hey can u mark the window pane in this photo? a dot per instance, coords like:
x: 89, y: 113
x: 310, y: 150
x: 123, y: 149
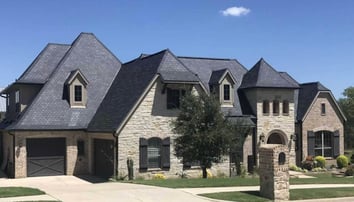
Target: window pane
x: 275, y: 106
x: 265, y: 107
x: 17, y: 96
x: 323, y: 109
x: 285, y: 107
x: 154, y: 153
x: 226, y: 92
x: 78, y: 93
x: 173, y: 97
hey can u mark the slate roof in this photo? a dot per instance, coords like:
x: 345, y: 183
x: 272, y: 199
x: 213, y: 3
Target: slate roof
x: 130, y: 84
x: 204, y: 68
x: 49, y: 111
x: 262, y: 75
x: 307, y: 93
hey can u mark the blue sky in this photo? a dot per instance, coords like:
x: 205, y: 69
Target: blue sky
x: 312, y: 40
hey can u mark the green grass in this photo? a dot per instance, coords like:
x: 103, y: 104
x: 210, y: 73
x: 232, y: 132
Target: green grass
x: 19, y: 191
x: 295, y: 194
x: 323, y: 178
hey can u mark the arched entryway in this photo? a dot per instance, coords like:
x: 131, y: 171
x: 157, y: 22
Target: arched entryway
x: 276, y: 138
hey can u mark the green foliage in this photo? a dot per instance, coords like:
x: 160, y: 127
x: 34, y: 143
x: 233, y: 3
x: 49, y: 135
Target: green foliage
x: 159, y: 176
x: 320, y: 161
x: 295, y: 168
x: 205, y: 134
x: 342, y: 161
x: 308, y: 163
x: 347, y: 106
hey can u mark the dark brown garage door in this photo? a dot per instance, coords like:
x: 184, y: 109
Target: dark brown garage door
x: 45, y: 156
x: 104, y: 153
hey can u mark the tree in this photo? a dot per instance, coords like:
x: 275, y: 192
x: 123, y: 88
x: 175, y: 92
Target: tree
x: 347, y: 106
x: 204, y: 133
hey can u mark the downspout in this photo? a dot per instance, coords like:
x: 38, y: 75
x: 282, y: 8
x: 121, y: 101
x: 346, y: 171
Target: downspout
x: 13, y: 153
x: 115, y: 135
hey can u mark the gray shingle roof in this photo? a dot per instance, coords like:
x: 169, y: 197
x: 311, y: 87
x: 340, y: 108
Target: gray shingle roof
x: 262, y: 75
x: 204, y: 68
x: 44, y: 65
x: 130, y: 84
x: 307, y: 94
x: 49, y: 111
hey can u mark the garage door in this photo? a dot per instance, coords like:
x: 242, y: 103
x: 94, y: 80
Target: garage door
x: 103, y: 154
x: 45, y: 156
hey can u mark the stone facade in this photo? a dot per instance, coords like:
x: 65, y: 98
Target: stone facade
x: 153, y: 119
x: 267, y: 124
x: 274, y: 172
x: 316, y: 121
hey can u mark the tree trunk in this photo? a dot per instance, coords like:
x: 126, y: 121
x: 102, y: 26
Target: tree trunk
x: 205, y: 174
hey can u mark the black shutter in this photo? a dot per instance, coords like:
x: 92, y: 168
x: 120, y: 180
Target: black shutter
x: 143, y: 162
x: 311, y: 143
x: 165, y: 156
x: 336, y: 144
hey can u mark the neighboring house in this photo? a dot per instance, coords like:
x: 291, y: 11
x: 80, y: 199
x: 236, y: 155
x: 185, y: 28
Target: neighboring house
x: 78, y: 110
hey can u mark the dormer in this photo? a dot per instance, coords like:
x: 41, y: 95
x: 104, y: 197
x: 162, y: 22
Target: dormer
x: 222, y: 83
x: 76, y: 87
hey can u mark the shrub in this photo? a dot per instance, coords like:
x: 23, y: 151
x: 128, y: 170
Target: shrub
x: 295, y: 168
x: 308, y: 163
x: 342, y: 161
x: 159, y: 176
x: 320, y: 161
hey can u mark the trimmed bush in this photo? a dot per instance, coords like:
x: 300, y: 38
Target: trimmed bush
x: 342, y: 161
x: 308, y: 165
x: 320, y: 161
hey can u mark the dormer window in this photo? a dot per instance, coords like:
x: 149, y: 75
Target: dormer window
x: 76, y: 89
x: 227, y: 92
x: 17, y: 101
x: 222, y: 84
x: 78, y: 93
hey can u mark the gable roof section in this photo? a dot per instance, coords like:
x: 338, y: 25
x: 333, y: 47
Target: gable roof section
x: 204, y: 68
x: 217, y: 76
x: 74, y: 74
x: 262, y: 75
x: 49, y: 111
x: 130, y: 84
x: 308, y: 93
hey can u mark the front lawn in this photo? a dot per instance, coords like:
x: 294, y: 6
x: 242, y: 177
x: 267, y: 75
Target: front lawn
x: 295, y: 194
x: 323, y: 178
x: 19, y: 191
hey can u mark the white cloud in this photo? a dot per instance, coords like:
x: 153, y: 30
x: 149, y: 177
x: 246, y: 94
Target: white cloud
x: 235, y: 11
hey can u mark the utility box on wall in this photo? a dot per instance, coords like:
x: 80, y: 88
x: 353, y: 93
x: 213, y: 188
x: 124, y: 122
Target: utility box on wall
x: 274, y: 171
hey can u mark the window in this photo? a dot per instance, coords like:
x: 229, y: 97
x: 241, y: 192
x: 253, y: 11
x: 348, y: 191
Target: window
x: 81, y: 148
x: 265, y: 107
x: 17, y: 101
x: 226, y: 92
x: 323, y: 143
x: 275, y: 107
x: 154, y: 153
x: 78, y: 93
x: 285, y: 107
x: 323, y: 109
x: 174, y: 97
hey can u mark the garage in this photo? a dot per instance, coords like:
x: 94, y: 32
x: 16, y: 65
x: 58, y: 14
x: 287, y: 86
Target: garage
x: 103, y: 157
x: 45, y: 156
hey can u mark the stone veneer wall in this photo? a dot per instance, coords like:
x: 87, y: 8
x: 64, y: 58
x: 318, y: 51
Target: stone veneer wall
x: 152, y: 119
x: 268, y: 124
x: 314, y: 121
x: 73, y: 164
x: 274, y: 175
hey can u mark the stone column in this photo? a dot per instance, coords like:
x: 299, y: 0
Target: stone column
x: 274, y: 171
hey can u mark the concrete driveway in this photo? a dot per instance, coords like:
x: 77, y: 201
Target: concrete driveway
x: 70, y: 188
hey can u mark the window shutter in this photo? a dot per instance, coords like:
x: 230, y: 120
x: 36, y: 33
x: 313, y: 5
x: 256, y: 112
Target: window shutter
x: 143, y: 162
x: 311, y: 143
x: 165, y: 155
x: 336, y: 144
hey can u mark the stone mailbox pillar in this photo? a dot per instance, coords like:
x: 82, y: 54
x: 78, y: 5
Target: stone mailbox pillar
x: 274, y: 171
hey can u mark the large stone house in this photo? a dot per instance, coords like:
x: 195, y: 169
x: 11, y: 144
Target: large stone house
x: 78, y: 110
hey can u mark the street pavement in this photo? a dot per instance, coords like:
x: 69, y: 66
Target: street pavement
x: 71, y: 188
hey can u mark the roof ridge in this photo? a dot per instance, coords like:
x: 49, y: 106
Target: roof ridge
x: 205, y: 58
